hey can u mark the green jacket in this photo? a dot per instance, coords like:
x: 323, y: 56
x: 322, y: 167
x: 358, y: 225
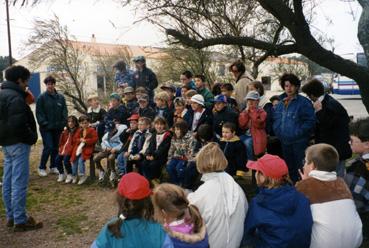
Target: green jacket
x: 208, y: 97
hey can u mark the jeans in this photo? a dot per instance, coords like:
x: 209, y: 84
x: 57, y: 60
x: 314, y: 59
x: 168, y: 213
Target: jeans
x: 60, y: 160
x: 80, y: 165
x: 50, y: 141
x: 247, y: 141
x: 121, y: 164
x: 15, y: 181
x: 293, y: 155
x: 176, y: 169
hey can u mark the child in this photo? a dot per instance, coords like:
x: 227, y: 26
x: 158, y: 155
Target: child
x: 227, y: 90
x: 201, y: 115
x: 278, y: 216
x: 203, y: 91
x: 233, y: 149
x: 336, y: 222
x: 125, y: 138
x: 65, y: 149
x: 357, y: 176
x: 179, y: 153
x: 222, y: 114
x: 144, y: 109
x: 181, y: 220
x: 162, y: 108
x: 181, y: 112
x: 117, y: 112
x: 83, y: 147
x: 96, y: 114
x: 253, y: 120
x: 156, y: 154
x: 134, y: 225
x: 187, y: 97
x: 130, y: 99
x: 171, y: 91
x: 138, y: 145
x: 140, y: 91
x: 274, y: 100
x: 110, y: 146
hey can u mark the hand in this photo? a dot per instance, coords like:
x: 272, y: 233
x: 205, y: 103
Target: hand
x: 303, y: 174
x: 126, y: 154
x: 317, y: 106
x: 112, y: 150
x: 82, y: 140
x: 150, y: 157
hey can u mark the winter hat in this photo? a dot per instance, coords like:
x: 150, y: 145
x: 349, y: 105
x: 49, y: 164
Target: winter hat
x: 198, y: 99
x: 168, y: 86
x: 133, y: 186
x: 252, y: 95
x: 93, y: 96
x: 133, y: 117
x: 139, y: 58
x: 270, y: 165
x: 115, y: 96
x: 109, y: 126
x: 128, y: 89
x: 220, y: 98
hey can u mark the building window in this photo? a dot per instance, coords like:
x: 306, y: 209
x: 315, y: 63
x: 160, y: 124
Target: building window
x: 100, y: 83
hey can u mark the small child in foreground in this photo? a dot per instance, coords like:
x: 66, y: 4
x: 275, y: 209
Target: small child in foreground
x: 181, y: 220
x: 336, y: 221
x: 278, y: 216
x: 134, y: 225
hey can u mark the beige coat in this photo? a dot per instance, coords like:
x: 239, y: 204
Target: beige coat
x: 241, y: 90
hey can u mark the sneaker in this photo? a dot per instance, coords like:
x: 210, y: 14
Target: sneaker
x: 61, y: 178
x: 31, y: 224
x: 54, y: 170
x: 82, y: 179
x: 112, y: 176
x: 69, y: 178
x: 74, y: 179
x: 101, y: 175
x: 42, y: 173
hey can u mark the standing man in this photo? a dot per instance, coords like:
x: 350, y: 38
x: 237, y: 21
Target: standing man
x: 51, y: 114
x: 17, y: 133
x: 144, y: 77
x: 293, y: 123
x: 243, y: 79
x: 332, y: 122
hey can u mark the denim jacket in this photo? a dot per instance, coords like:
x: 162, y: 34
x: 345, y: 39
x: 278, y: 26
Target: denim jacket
x: 295, y: 122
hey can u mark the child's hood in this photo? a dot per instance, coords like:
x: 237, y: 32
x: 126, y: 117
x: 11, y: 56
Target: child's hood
x: 283, y: 200
x: 188, y: 238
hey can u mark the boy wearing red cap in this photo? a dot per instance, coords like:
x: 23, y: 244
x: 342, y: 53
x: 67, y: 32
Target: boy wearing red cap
x: 278, y: 216
x: 134, y: 225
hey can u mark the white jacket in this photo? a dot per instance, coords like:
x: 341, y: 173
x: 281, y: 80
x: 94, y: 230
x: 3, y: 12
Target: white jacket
x: 223, y: 206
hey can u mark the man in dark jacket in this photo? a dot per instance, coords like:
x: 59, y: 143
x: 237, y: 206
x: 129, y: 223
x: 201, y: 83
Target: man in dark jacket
x: 17, y: 134
x: 332, y: 122
x: 144, y: 77
x: 51, y: 114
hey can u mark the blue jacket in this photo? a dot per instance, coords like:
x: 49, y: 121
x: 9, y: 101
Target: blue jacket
x: 136, y: 233
x: 295, y: 122
x: 279, y: 217
x: 119, y: 113
x: 124, y: 77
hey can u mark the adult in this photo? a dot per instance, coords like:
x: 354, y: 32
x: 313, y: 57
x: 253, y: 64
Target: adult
x: 144, y: 77
x: 220, y: 199
x: 123, y: 75
x: 51, y: 114
x: 293, y: 123
x: 17, y: 133
x: 186, y: 80
x: 243, y: 79
x: 332, y: 122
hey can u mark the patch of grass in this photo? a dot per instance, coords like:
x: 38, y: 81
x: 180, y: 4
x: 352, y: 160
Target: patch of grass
x: 71, y: 224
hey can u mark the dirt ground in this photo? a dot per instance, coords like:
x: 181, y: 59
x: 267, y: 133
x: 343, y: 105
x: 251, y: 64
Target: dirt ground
x: 72, y: 215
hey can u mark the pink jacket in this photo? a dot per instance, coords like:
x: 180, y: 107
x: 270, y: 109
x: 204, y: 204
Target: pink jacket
x: 256, y: 121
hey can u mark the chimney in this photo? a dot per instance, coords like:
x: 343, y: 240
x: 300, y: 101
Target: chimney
x: 93, y: 38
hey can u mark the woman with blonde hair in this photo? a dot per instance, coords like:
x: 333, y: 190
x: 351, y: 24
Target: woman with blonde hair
x: 221, y: 201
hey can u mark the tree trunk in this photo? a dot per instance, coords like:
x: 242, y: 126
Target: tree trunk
x: 363, y: 28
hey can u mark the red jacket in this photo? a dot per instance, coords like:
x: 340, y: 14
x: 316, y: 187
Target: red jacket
x: 91, y: 138
x: 256, y: 121
x: 66, y: 142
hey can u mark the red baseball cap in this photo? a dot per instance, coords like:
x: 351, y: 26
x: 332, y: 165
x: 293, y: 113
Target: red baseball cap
x: 133, y: 186
x: 270, y: 165
x: 133, y: 117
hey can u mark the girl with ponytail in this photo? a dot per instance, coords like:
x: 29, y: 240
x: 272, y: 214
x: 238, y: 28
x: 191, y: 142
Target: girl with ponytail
x: 181, y: 220
x: 134, y: 225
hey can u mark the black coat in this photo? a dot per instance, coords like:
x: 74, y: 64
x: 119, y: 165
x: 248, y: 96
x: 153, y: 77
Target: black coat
x: 119, y: 113
x: 148, y: 112
x: 17, y: 124
x: 235, y: 152
x: 225, y: 115
x: 333, y: 126
x: 160, y: 153
x: 147, y: 79
x: 206, y: 118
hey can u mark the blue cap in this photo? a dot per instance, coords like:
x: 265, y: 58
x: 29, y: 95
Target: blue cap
x: 220, y: 98
x: 109, y: 126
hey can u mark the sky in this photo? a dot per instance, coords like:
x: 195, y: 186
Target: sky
x: 112, y: 23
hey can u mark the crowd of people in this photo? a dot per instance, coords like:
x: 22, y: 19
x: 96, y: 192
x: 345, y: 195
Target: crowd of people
x: 174, y: 154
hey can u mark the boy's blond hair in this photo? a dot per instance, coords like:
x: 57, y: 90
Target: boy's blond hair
x: 162, y: 95
x: 211, y: 159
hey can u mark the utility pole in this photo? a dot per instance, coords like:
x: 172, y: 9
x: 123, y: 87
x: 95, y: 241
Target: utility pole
x: 9, y: 40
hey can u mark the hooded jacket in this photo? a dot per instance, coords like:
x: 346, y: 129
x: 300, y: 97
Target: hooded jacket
x: 235, y: 152
x: 114, y: 141
x: 17, y: 124
x: 194, y: 240
x: 279, y: 217
x: 223, y: 206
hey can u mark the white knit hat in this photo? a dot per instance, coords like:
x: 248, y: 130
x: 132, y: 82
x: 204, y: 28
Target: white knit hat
x: 198, y: 99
